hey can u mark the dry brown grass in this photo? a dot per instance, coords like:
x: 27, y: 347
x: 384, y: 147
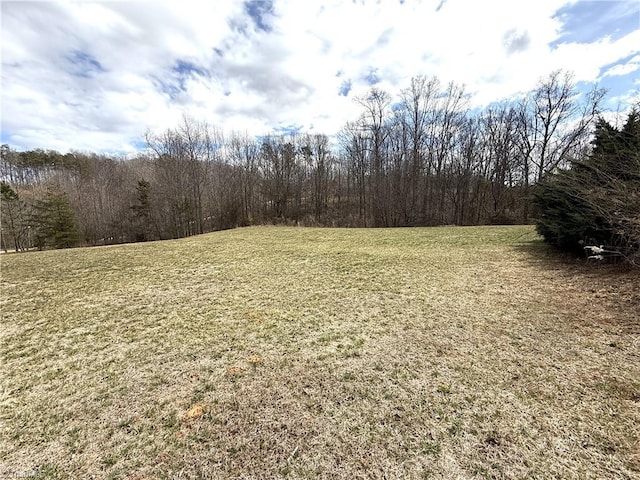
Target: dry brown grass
x: 319, y: 353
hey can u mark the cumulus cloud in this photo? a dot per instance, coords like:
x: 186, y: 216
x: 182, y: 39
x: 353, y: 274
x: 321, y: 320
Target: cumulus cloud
x: 515, y: 41
x: 96, y: 76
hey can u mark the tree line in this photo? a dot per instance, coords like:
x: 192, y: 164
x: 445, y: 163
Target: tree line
x: 419, y: 157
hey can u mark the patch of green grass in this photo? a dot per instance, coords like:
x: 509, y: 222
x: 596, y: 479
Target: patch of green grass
x: 344, y: 353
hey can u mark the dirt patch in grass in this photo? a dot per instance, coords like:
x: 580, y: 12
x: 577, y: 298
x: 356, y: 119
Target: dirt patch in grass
x: 272, y: 352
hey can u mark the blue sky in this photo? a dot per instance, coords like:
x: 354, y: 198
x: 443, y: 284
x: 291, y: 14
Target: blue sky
x: 96, y: 76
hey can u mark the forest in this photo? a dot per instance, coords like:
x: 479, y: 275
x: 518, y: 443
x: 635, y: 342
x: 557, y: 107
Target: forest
x: 419, y: 157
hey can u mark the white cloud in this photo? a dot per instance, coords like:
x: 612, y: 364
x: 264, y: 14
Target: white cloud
x: 96, y: 76
x: 624, y: 68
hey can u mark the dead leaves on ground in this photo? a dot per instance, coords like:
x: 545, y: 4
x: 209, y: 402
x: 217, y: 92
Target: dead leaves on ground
x: 195, y: 411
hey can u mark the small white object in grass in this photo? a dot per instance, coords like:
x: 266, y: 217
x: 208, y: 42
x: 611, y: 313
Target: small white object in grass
x: 595, y: 250
x: 293, y: 454
x: 598, y: 253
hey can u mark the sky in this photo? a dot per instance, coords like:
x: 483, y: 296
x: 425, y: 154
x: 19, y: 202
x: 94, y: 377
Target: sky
x: 95, y: 76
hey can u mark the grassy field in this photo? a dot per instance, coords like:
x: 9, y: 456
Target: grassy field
x: 272, y: 352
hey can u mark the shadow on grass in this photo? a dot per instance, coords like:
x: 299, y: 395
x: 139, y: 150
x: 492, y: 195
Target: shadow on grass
x: 614, y: 281
x: 545, y: 256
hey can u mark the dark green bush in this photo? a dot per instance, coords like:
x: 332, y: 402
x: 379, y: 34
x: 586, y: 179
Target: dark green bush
x: 597, y: 200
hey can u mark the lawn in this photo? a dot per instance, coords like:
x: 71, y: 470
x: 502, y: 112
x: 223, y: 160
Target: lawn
x: 273, y: 352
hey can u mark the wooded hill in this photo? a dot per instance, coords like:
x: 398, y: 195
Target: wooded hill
x: 421, y: 157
